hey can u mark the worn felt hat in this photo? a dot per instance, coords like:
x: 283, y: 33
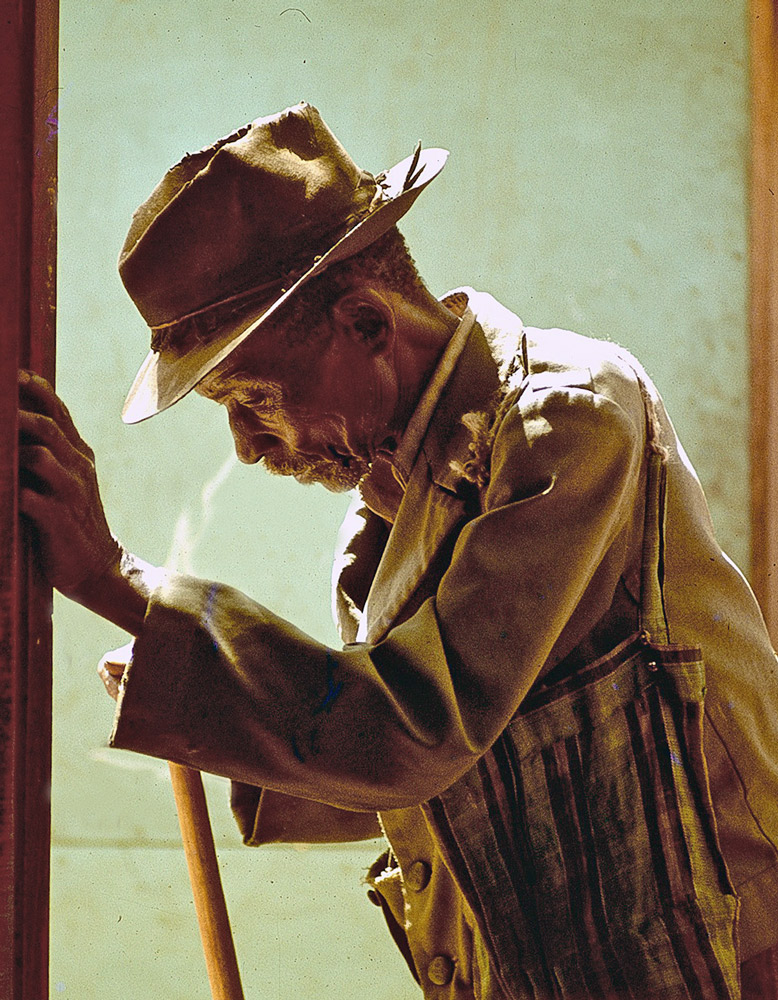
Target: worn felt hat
x: 231, y: 232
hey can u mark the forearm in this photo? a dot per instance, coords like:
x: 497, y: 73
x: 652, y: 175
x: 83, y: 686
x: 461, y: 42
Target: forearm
x: 220, y: 683
x: 121, y: 594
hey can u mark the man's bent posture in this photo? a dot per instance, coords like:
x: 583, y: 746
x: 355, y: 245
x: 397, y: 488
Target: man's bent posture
x: 556, y: 691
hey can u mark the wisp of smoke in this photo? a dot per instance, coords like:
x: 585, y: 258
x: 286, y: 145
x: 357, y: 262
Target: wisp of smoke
x: 189, y: 530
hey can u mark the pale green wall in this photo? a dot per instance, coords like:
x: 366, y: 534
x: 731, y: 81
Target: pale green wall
x: 597, y: 180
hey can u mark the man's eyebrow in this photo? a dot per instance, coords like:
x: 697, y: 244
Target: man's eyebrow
x: 215, y: 384
x: 214, y: 381
x: 209, y: 386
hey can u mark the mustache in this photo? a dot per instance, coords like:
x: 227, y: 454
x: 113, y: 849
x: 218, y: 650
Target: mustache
x: 339, y: 475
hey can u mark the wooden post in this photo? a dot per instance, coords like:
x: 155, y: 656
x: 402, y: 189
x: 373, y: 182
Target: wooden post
x: 28, y: 130
x: 764, y: 307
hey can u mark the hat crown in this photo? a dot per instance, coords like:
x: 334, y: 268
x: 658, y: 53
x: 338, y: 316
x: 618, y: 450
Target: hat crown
x: 232, y: 232
x: 241, y: 213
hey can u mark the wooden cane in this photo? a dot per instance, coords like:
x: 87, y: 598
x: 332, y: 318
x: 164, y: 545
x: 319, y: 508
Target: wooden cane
x: 218, y: 946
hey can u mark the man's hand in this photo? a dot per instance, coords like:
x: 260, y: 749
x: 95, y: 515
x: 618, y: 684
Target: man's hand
x: 112, y: 666
x: 58, y: 492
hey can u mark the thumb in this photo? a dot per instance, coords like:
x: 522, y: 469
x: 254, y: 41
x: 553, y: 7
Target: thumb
x: 112, y: 666
x: 116, y: 660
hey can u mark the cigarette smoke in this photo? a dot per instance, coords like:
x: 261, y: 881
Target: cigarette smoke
x: 190, y: 528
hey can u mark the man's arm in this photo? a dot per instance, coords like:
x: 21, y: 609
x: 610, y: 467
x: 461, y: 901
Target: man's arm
x: 221, y: 683
x: 122, y: 592
x: 60, y: 498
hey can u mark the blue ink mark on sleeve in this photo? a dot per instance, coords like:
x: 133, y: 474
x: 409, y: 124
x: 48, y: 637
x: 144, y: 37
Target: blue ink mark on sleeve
x: 296, y: 751
x: 333, y: 689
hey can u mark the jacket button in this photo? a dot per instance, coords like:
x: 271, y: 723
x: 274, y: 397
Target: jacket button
x: 418, y: 876
x: 440, y: 971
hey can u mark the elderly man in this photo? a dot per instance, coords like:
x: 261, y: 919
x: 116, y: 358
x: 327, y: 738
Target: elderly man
x: 540, y: 627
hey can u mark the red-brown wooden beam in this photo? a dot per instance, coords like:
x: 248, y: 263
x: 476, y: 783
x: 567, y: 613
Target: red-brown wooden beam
x: 28, y: 143
x: 764, y: 307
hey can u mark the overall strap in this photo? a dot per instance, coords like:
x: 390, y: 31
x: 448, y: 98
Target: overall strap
x: 653, y: 620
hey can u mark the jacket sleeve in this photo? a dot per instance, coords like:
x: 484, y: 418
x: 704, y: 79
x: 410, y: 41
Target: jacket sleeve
x: 265, y: 816
x: 220, y: 683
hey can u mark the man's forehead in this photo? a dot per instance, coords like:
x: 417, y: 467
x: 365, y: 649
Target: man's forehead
x: 249, y: 364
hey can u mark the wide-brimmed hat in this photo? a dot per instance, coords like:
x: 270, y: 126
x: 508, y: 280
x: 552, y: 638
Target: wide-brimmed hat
x: 231, y: 232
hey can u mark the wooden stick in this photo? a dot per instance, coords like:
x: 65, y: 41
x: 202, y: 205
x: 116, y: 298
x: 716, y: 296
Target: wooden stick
x: 218, y: 946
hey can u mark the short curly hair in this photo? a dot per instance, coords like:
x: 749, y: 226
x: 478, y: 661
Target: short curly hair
x: 388, y: 260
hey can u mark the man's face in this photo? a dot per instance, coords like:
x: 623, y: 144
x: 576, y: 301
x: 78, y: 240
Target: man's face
x: 306, y: 411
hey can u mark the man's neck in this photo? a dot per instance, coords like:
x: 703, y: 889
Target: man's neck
x: 382, y: 489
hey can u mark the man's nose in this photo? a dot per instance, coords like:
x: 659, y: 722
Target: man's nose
x: 251, y: 439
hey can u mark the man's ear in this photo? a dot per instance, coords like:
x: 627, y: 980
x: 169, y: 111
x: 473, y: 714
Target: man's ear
x: 365, y: 317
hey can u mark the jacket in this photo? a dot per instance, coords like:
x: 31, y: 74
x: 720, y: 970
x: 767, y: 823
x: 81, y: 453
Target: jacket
x: 478, y: 594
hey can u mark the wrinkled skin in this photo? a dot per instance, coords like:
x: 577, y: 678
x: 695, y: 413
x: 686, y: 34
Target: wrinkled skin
x: 59, y: 495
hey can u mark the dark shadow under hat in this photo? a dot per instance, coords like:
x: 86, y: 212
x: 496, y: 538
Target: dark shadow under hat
x: 233, y: 231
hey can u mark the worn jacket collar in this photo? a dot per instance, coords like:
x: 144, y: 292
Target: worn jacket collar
x: 435, y: 502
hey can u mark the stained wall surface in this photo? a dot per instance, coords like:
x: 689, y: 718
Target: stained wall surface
x: 596, y: 181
